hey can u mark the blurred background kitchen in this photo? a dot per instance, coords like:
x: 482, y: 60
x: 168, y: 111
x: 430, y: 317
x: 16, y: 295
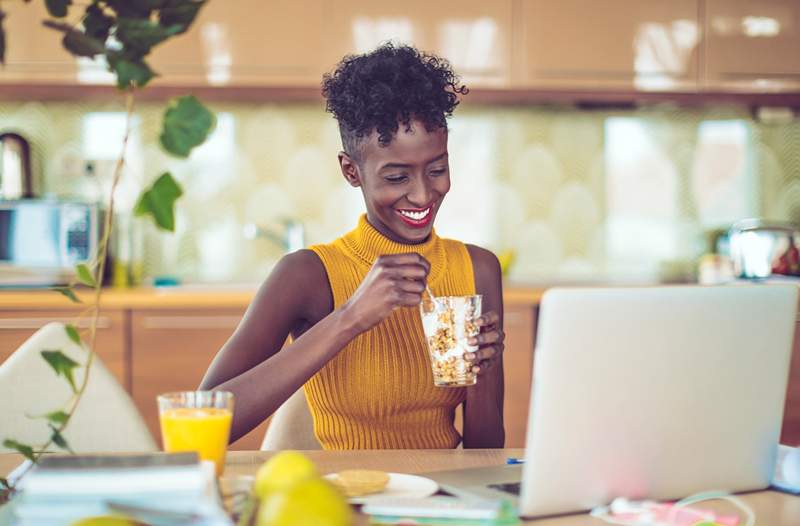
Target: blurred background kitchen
x: 602, y: 142
x: 596, y: 146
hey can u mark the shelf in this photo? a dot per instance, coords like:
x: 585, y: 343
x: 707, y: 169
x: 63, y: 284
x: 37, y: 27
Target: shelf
x: 479, y: 96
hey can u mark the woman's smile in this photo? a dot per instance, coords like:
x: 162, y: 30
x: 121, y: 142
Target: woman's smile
x: 416, y: 217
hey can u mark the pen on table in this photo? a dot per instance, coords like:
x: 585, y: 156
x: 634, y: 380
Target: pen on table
x: 512, y: 460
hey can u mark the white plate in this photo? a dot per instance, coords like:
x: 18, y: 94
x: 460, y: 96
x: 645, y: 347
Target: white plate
x: 400, y: 485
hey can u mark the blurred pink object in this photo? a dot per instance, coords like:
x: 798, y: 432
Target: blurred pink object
x: 650, y: 513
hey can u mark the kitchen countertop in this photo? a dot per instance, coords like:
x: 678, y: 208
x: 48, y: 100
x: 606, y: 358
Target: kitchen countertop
x: 189, y: 296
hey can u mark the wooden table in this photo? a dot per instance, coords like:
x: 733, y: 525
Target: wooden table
x: 771, y: 508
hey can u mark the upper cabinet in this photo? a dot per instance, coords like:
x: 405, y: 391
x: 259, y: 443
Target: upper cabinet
x: 33, y: 52
x: 526, y: 45
x: 614, y: 44
x: 248, y: 42
x: 752, y: 45
x: 236, y: 43
x: 474, y: 35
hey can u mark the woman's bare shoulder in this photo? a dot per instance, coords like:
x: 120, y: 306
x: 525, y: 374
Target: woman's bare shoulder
x: 484, y: 262
x: 299, y: 280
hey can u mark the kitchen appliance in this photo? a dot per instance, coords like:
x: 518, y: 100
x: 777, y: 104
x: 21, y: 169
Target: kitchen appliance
x: 41, y: 241
x: 761, y: 249
x: 16, y: 181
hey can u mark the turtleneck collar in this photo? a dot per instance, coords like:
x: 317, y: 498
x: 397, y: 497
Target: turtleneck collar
x: 366, y: 244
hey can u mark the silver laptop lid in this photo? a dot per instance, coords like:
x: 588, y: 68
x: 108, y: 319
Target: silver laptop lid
x: 655, y: 392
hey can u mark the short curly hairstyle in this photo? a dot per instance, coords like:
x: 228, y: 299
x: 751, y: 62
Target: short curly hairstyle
x: 387, y: 87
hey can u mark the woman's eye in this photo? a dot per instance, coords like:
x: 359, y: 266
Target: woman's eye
x: 438, y: 172
x: 396, y: 178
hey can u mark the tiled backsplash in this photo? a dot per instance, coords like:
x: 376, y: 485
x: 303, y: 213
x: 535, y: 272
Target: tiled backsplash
x: 577, y: 195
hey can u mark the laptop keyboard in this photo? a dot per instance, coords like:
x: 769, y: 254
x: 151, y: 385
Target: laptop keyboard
x: 511, y: 487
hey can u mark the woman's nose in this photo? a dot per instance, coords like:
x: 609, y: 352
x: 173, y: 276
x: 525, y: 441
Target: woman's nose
x: 420, y: 193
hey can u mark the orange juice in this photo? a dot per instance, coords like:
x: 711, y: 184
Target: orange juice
x: 203, y: 429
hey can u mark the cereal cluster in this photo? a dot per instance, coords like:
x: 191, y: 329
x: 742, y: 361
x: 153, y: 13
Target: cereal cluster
x: 450, y: 368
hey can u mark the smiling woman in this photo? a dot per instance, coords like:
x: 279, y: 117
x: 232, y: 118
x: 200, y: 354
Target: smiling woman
x: 351, y: 306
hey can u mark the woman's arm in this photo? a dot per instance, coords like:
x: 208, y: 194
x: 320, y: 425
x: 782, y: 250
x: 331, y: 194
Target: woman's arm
x: 483, y: 408
x: 296, y: 298
x: 247, y: 363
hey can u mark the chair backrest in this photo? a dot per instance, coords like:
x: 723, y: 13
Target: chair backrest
x: 291, y: 426
x: 106, y: 419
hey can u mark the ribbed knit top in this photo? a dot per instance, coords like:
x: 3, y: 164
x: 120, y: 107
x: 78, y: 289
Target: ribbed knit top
x: 378, y: 392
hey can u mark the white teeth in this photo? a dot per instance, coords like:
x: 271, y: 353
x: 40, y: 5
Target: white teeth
x: 416, y: 216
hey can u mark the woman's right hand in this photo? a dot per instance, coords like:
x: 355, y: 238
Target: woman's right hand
x: 396, y: 280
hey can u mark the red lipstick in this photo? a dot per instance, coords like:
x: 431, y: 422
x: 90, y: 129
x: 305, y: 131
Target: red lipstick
x: 416, y: 217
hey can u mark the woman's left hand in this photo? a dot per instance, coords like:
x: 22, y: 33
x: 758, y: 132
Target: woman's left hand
x: 489, y: 341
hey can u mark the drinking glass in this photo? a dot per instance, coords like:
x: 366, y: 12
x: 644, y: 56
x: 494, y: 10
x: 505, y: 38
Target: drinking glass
x: 197, y: 421
x: 448, y: 323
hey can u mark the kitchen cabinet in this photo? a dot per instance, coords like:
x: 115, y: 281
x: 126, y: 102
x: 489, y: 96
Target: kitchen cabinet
x: 790, y: 434
x: 248, y: 42
x: 520, y: 329
x: 528, y: 49
x: 171, y: 350
x: 16, y: 326
x: 752, y: 45
x: 475, y: 36
x: 33, y: 52
x: 623, y: 44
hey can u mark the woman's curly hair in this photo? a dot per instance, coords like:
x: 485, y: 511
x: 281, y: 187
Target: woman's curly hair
x: 387, y: 87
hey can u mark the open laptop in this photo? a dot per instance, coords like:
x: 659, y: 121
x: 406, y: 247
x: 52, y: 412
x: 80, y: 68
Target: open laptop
x: 648, y: 392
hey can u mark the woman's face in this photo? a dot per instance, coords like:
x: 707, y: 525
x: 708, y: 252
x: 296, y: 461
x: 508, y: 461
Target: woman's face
x: 403, y: 182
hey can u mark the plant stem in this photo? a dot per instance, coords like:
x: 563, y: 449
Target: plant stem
x: 100, y: 266
x: 102, y: 250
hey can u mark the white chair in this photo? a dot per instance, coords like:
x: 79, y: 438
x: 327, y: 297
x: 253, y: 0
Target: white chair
x: 105, y: 421
x: 291, y: 426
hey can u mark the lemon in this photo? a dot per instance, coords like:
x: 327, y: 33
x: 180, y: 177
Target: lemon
x: 311, y: 501
x: 506, y: 259
x: 282, y: 471
x: 105, y: 520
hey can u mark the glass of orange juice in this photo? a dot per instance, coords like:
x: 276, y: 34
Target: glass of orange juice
x: 197, y: 421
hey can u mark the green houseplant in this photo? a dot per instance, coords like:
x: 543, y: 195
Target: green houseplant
x: 123, y: 33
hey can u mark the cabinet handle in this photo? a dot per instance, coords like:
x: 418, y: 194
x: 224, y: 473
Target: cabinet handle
x: 190, y: 322
x: 15, y: 324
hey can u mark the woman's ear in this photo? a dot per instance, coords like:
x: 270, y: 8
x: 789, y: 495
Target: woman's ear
x: 349, y: 169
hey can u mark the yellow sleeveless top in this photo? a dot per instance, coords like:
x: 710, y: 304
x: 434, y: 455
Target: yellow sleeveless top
x: 378, y: 392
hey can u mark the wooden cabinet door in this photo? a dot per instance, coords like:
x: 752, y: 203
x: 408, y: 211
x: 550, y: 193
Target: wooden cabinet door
x: 790, y: 433
x: 752, y: 45
x: 520, y: 329
x: 33, y: 52
x: 16, y: 326
x: 475, y: 36
x: 624, y: 44
x: 171, y: 350
x: 248, y: 42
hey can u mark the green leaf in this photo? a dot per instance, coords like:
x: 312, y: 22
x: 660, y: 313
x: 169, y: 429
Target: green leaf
x: 143, y: 34
x: 81, y: 45
x: 57, y: 417
x: 85, y: 275
x: 180, y: 13
x: 158, y: 201
x: 187, y: 123
x: 68, y: 292
x: 132, y: 8
x: 26, y: 450
x: 57, y: 8
x: 130, y: 73
x: 58, y: 439
x: 72, y: 332
x: 96, y: 23
x: 62, y: 365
